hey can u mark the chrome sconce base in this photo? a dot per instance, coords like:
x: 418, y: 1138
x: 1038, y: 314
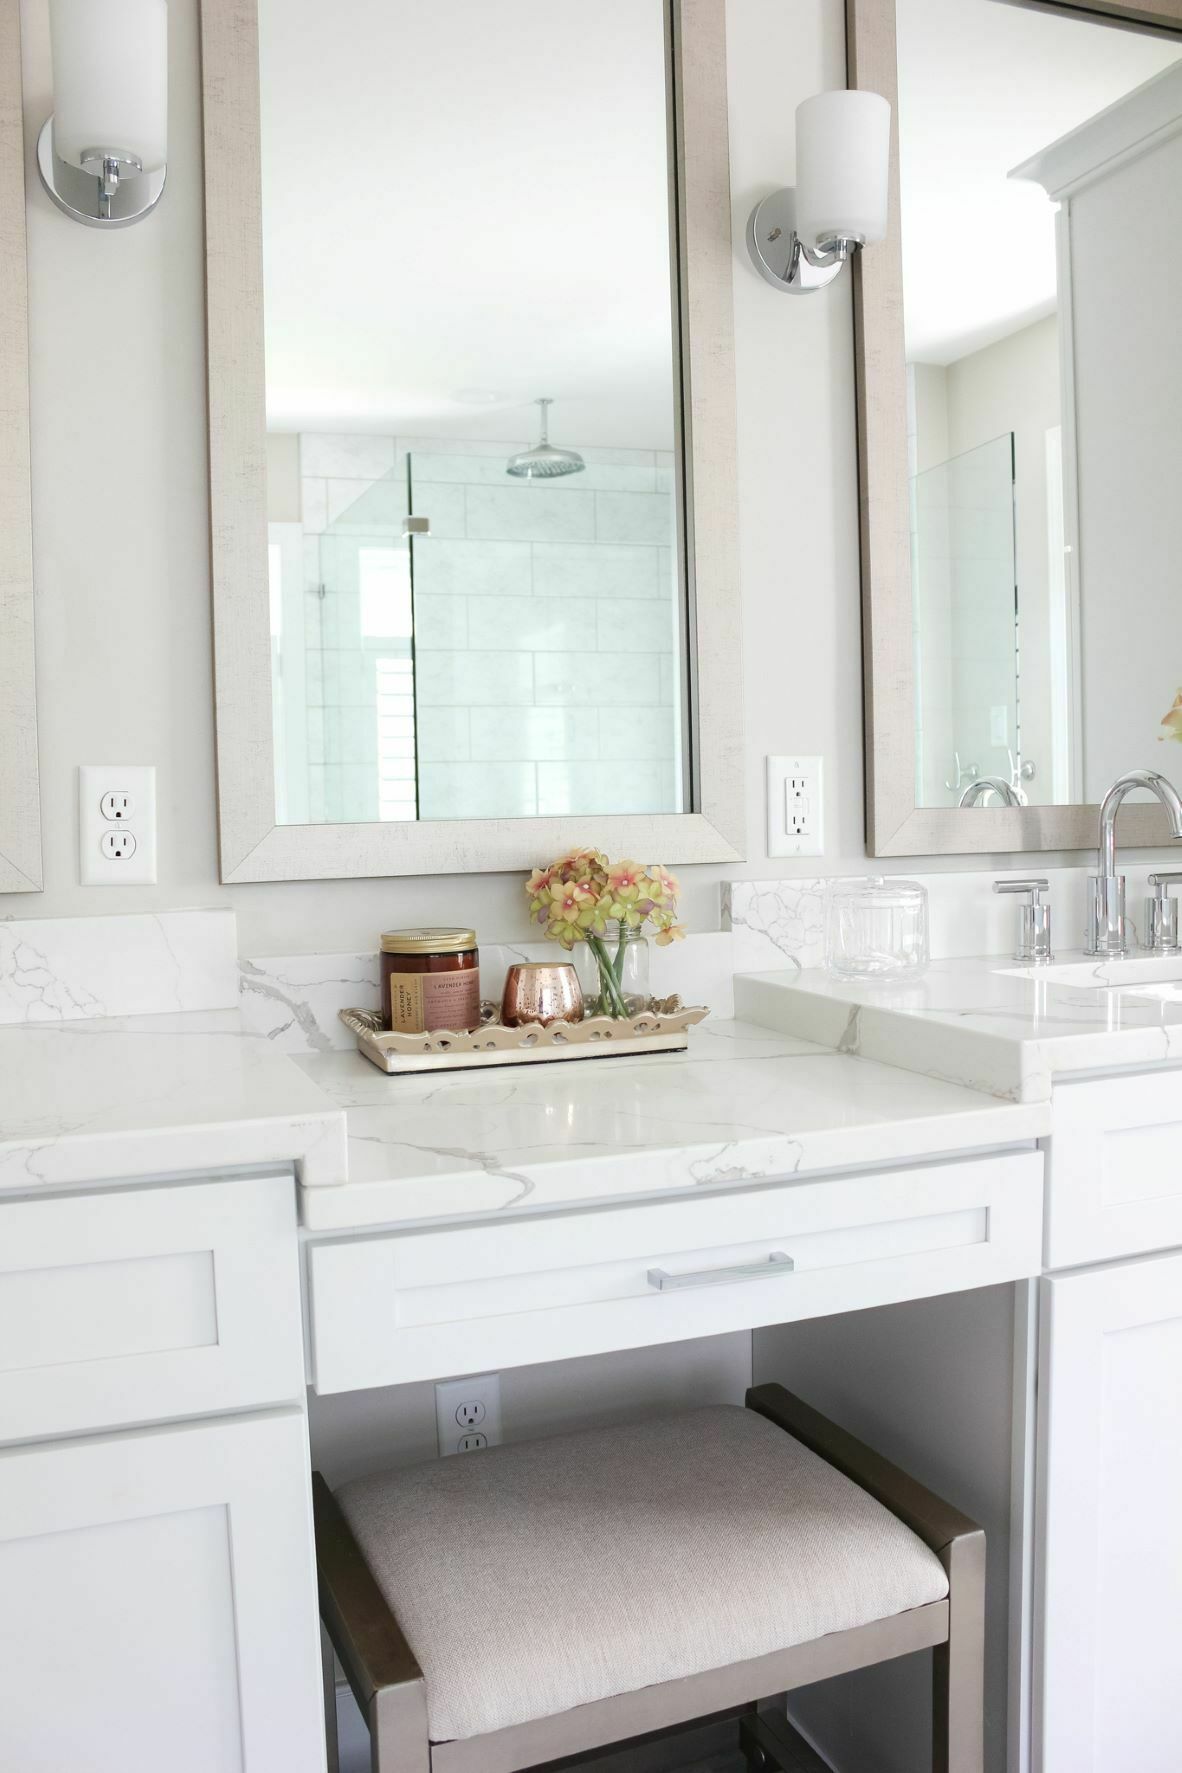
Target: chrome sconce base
x: 116, y: 193
x: 779, y: 254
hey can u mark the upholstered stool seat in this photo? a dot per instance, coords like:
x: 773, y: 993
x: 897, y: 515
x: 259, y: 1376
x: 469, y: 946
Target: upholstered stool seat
x: 534, y: 1578
x: 551, y: 1580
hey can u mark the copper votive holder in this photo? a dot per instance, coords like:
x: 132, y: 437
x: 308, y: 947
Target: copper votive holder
x: 542, y: 991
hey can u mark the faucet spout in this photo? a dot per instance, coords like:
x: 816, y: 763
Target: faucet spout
x: 1156, y: 784
x: 1107, y: 925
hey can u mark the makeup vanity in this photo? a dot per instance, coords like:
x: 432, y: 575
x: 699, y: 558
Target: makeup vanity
x: 434, y: 658
x: 154, y: 1486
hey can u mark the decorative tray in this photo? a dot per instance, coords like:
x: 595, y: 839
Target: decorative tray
x: 663, y: 1029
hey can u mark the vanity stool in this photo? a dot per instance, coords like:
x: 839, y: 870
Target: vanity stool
x: 565, y: 1595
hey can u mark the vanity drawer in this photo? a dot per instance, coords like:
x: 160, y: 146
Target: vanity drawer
x: 147, y: 1304
x: 426, y: 1304
x: 1114, y: 1180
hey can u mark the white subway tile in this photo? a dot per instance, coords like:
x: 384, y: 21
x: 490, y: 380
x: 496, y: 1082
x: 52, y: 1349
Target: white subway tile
x: 443, y: 735
x: 475, y: 679
x: 634, y: 517
x: 647, y: 733
x: 443, y: 506
x: 533, y: 624
x: 629, y: 625
x: 534, y: 733
x: 374, y: 507
x: 596, y: 680
x: 473, y: 569
x: 596, y: 569
x: 477, y: 791
x: 634, y: 786
x: 533, y: 513
x: 443, y: 622
x: 313, y: 505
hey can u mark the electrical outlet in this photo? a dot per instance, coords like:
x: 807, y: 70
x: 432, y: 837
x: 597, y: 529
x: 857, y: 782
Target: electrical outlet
x: 468, y: 1413
x: 795, y: 812
x: 117, y: 824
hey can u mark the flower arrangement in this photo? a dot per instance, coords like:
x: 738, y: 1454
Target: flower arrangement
x: 580, y: 896
x: 1173, y: 720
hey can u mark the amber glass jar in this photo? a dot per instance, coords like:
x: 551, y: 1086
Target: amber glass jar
x: 430, y: 980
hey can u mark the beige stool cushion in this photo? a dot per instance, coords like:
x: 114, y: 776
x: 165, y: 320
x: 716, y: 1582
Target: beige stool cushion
x: 532, y: 1578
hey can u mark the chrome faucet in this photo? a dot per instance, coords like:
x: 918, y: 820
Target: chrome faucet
x: 1006, y: 793
x: 1107, y: 927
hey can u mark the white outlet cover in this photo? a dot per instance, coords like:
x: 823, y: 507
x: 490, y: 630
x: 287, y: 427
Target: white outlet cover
x: 95, y: 783
x: 795, y: 806
x: 484, y: 1390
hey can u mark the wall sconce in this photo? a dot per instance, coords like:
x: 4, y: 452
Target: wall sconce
x: 102, y: 154
x: 799, y: 239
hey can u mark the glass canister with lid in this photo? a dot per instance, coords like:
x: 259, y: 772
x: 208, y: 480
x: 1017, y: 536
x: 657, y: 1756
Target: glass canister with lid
x: 876, y: 928
x: 430, y: 980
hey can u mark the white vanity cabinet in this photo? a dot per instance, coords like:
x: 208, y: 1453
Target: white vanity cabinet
x: 1108, y: 1564
x: 157, y: 1573
x: 1108, y: 1599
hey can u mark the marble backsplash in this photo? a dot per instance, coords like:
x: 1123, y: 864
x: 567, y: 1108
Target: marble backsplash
x: 295, y: 1000
x: 777, y: 923
x: 66, y: 969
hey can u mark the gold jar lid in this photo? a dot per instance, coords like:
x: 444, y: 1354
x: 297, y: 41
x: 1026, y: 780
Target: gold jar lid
x: 427, y: 941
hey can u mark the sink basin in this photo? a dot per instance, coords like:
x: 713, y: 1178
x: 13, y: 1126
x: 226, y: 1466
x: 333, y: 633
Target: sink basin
x: 1157, y: 975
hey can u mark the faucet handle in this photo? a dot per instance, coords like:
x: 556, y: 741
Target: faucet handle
x: 1033, y: 887
x: 1161, y: 915
x: 1034, y: 941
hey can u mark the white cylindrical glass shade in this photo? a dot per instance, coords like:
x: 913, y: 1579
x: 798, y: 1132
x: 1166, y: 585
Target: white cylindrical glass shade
x: 843, y: 150
x: 110, y: 78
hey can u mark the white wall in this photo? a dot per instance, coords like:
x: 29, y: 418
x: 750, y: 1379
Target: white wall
x: 121, y: 520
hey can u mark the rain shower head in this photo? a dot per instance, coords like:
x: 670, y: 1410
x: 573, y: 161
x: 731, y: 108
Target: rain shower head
x: 544, y: 461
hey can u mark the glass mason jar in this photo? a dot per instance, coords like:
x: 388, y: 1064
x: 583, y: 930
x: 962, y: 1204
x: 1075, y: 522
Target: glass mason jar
x: 613, y: 972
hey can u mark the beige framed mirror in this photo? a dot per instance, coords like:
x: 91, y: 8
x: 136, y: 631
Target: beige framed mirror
x: 439, y: 646
x: 20, y: 809
x: 1020, y: 420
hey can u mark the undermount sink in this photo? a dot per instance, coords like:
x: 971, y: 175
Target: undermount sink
x: 1156, y: 975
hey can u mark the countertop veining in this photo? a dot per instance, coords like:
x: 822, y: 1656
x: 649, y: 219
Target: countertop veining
x: 973, y: 1022
x: 743, y: 1104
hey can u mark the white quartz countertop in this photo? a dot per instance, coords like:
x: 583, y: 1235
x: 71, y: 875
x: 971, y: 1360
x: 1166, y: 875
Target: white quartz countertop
x: 743, y: 1104
x: 974, y: 1023
x: 118, y: 1099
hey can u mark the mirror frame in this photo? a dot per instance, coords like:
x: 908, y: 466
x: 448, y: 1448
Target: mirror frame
x: 20, y: 804
x: 252, y: 845
x: 895, y: 826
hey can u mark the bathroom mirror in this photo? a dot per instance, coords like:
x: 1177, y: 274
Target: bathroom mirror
x: 20, y: 811
x: 471, y: 434
x: 1020, y: 418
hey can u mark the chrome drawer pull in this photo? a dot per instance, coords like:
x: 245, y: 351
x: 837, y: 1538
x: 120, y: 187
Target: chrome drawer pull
x: 776, y: 1263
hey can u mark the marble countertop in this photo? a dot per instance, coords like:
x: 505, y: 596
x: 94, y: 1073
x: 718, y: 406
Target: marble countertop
x: 975, y: 1023
x: 743, y: 1104
x: 117, y: 1099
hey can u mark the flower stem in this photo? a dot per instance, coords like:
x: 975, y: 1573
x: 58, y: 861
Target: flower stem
x: 614, y: 1004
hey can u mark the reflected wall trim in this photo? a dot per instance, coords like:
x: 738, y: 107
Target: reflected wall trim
x: 20, y: 806
x: 252, y: 845
x: 895, y: 826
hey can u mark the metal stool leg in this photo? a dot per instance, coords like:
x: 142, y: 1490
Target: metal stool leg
x: 958, y: 1666
x: 328, y: 1663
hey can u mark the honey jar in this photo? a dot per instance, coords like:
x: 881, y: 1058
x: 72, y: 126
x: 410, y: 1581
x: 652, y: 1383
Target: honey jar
x: 430, y: 980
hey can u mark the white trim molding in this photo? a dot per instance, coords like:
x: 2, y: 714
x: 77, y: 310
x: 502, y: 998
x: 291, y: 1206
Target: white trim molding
x: 253, y: 846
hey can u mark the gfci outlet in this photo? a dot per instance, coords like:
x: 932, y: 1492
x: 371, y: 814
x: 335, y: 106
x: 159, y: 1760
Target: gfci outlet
x: 795, y: 811
x: 468, y: 1413
x: 117, y: 824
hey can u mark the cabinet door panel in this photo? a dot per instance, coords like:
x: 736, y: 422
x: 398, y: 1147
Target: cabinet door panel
x: 158, y: 1603
x: 143, y: 1305
x: 1109, y: 1624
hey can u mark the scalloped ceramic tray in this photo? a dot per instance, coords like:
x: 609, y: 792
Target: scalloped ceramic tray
x: 663, y: 1029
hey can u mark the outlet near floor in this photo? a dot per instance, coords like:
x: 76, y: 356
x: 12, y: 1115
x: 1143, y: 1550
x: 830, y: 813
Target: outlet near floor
x: 468, y: 1413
